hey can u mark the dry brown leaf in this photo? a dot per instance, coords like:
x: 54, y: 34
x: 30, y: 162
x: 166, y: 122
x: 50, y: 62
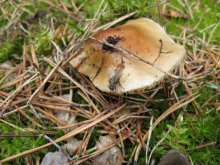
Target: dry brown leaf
x: 70, y: 119
x: 55, y: 158
x: 112, y: 156
x: 72, y: 145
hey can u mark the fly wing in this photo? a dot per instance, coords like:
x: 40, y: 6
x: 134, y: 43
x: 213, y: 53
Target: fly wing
x: 118, y: 71
x: 111, y: 72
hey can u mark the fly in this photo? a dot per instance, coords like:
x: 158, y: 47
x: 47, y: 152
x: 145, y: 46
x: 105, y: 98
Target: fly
x: 114, y: 76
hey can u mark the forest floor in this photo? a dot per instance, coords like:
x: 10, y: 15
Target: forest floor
x: 37, y: 39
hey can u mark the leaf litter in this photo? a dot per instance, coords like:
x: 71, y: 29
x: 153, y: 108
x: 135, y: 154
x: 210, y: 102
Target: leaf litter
x: 36, y: 94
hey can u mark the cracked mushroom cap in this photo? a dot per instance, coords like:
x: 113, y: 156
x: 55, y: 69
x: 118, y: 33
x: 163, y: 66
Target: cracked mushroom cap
x: 106, y: 58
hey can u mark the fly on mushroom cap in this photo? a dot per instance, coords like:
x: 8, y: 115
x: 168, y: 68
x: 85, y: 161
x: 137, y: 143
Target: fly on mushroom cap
x: 106, y: 58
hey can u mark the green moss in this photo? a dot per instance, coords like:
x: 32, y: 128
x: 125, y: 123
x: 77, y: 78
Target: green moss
x: 117, y: 8
x: 213, y: 86
x: 78, y: 28
x: 163, y: 104
x: 208, y: 12
x: 41, y: 5
x: 126, y: 6
x: 206, y: 93
x: 12, y: 146
x: 42, y: 40
x: 16, y: 145
x: 6, y: 51
x: 3, y: 22
x: 188, y: 135
x: 10, y: 48
x: 94, y: 138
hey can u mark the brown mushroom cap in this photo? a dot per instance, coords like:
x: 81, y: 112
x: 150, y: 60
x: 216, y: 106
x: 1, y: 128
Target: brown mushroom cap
x: 142, y: 37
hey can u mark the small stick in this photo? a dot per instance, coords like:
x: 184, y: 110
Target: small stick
x: 56, y: 145
x: 148, y: 141
x: 203, y: 146
x: 160, y: 51
x: 53, y: 142
x: 35, y: 113
x: 99, y: 69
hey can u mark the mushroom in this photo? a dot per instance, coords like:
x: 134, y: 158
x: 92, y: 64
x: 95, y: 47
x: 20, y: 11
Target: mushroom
x: 129, y: 58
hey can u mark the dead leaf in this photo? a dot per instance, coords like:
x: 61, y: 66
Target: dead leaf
x: 55, y: 158
x: 70, y: 119
x: 112, y: 156
x: 71, y: 146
